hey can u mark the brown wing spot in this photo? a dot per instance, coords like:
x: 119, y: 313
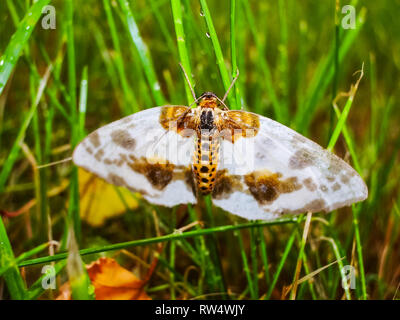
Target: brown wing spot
x: 115, y: 179
x: 158, y: 174
x: 89, y: 150
x: 344, y: 178
x: 225, y: 185
x: 118, y: 162
x: 189, y: 179
x: 177, y: 118
x: 323, y: 188
x: 94, y: 139
x: 336, y: 164
x: 336, y: 187
x: 310, y: 185
x: 238, y: 124
x: 123, y: 139
x: 303, y: 158
x: 123, y: 157
x: 266, y: 186
x: 313, y: 206
x: 99, y: 154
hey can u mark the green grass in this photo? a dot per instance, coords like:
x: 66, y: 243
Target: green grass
x: 107, y: 59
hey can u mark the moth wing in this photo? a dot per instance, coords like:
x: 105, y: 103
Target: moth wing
x: 277, y: 171
x: 137, y: 152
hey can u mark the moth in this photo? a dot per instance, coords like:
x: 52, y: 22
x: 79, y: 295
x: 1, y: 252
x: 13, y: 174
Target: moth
x: 251, y: 166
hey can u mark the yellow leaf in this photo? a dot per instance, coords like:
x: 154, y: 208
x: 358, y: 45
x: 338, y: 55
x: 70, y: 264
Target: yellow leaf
x: 100, y: 200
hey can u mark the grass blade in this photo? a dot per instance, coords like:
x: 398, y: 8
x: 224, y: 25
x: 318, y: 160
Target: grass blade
x: 267, y: 78
x: 283, y: 64
x: 264, y: 255
x: 323, y: 76
x: 346, y: 110
x: 143, y: 51
x: 237, y: 101
x: 73, y: 209
x: 83, y: 102
x: 285, y: 254
x: 37, y: 289
x: 81, y: 287
x: 130, y: 103
x: 183, y: 51
x: 12, y: 156
x: 246, y: 267
x: 14, y: 281
x: 217, y: 49
x: 18, y: 41
x: 300, y: 257
x: 170, y: 237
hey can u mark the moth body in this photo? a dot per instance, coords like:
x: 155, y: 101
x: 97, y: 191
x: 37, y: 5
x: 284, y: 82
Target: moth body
x: 252, y: 166
x: 205, y: 158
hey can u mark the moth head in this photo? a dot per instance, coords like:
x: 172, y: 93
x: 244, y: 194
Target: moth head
x: 209, y: 100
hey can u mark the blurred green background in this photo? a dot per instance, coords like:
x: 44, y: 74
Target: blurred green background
x: 294, y: 58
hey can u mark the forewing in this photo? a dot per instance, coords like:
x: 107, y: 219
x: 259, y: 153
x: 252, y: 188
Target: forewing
x: 277, y: 171
x: 139, y: 153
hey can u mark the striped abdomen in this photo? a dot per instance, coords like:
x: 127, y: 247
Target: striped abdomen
x: 205, y: 162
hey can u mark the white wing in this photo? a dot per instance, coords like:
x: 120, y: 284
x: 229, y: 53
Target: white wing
x: 278, y: 171
x: 138, y: 153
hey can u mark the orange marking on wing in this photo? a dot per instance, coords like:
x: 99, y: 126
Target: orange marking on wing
x: 266, y: 186
x: 178, y: 118
x: 159, y: 174
x: 226, y: 184
x: 238, y: 124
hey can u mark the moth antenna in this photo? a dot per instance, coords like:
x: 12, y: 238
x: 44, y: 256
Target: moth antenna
x: 54, y: 163
x: 222, y: 102
x: 187, y: 80
x: 195, y: 101
x: 230, y: 87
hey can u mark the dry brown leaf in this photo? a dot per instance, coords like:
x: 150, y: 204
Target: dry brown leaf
x: 111, y: 282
